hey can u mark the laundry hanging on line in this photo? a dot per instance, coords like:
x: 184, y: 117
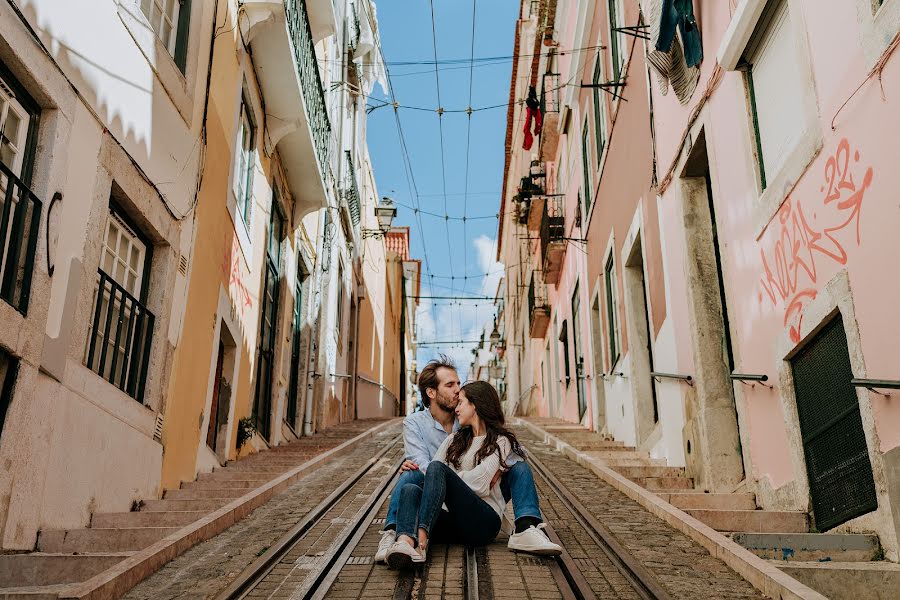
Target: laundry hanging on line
x: 532, y: 114
x: 677, y: 49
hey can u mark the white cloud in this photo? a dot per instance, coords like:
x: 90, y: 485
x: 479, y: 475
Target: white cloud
x: 462, y: 320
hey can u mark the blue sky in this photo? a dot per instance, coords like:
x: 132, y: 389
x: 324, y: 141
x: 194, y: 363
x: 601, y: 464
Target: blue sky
x: 458, y: 254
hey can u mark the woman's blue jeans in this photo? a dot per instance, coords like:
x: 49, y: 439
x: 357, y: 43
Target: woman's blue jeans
x: 468, y: 519
x: 517, y: 484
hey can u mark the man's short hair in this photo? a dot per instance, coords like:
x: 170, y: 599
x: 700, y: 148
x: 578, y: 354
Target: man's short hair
x: 428, y: 377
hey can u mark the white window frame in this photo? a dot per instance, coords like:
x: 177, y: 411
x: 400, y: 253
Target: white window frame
x: 9, y: 103
x: 244, y: 160
x: 740, y: 36
x: 619, y: 62
x: 587, y: 165
x: 163, y: 18
x: 121, y: 230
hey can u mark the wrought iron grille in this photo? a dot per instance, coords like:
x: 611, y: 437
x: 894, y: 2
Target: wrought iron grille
x: 20, y: 217
x: 120, y: 338
x: 536, y: 296
x: 553, y: 223
x: 834, y: 443
x: 308, y: 70
x: 351, y: 190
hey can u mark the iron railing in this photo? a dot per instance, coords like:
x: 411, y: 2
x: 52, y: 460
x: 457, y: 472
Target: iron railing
x: 553, y: 223
x: 536, y: 296
x: 351, y: 189
x: 20, y: 217
x: 120, y: 338
x: 308, y: 70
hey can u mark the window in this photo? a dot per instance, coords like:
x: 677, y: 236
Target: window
x: 587, y: 166
x: 170, y: 20
x: 577, y: 350
x: 564, y: 345
x: 121, y: 333
x: 8, y: 368
x: 244, y: 161
x: 599, y: 110
x: 262, y: 403
x: 775, y: 84
x: 615, y: 49
x: 339, y: 317
x: 612, y: 321
x: 14, y: 122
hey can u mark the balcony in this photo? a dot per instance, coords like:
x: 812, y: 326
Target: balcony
x: 538, y: 310
x: 284, y: 56
x: 349, y: 188
x: 553, y: 238
x: 120, y: 338
x: 20, y: 217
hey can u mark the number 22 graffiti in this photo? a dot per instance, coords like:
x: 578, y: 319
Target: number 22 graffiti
x: 805, y: 234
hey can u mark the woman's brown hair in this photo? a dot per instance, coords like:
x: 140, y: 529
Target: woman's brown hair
x: 486, y: 401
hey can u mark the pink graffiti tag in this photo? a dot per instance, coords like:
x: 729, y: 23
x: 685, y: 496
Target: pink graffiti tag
x: 231, y: 268
x: 801, y: 240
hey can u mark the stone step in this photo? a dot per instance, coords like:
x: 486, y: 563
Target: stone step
x: 592, y: 445
x: 234, y: 474
x: 43, y: 592
x: 836, y: 547
x: 146, y: 519
x: 753, y: 521
x: 245, y: 484
x: 202, y: 493
x: 41, y: 569
x: 206, y: 505
x: 616, y: 454
x: 847, y: 580
x: 634, y: 462
x: 649, y: 471
x: 101, y: 540
x: 254, y: 468
x: 664, y: 483
x: 685, y: 500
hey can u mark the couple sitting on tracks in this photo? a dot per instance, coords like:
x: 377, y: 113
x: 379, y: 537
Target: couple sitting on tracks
x: 462, y: 466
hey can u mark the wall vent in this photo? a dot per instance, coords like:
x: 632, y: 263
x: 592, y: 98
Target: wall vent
x: 183, y: 265
x: 157, y: 431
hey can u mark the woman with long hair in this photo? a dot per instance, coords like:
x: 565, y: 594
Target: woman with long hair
x: 464, y: 477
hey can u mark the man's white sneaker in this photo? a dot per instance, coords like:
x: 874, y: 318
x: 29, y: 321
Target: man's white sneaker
x: 534, y: 541
x: 387, y: 540
x: 402, y: 556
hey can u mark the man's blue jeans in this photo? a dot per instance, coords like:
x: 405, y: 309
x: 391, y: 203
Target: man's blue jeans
x: 517, y: 485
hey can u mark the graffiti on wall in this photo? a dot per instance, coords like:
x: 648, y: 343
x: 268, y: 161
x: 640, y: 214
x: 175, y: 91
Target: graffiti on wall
x: 233, y: 270
x: 808, y: 232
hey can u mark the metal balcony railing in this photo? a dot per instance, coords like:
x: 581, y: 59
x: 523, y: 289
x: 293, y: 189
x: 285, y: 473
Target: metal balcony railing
x: 120, y: 338
x: 350, y: 189
x: 308, y: 70
x: 20, y: 217
x: 553, y: 223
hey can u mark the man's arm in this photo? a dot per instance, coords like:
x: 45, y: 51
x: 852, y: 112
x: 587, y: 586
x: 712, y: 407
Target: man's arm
x: 416, y: 449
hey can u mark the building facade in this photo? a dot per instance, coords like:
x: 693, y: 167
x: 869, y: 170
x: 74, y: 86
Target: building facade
x: 185, y: 203
x: 731, y: 305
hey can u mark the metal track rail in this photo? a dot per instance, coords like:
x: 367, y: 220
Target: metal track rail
x: 641, y: 579
x: 250, y: 577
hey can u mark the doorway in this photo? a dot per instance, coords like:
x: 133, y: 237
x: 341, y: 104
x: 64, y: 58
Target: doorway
x: 579, y: 352
x: 641, y: 342
x: 262, y: 404
x: 834, y: 444
x: 712, y: 439
x: 294, y: 392
x: 599, y: 400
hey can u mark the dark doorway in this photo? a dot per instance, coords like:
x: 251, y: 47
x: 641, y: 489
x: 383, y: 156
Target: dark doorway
x: 262, y: 405
x: 579, y: 352
x: 293, y: 398
x: 212, y: 430
x: 837, y: 458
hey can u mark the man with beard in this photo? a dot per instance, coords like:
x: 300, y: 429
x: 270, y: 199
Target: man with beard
x: 426, y: 430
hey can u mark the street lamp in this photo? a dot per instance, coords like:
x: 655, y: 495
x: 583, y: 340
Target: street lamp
x: 385, y: 211
x: 495, y: 335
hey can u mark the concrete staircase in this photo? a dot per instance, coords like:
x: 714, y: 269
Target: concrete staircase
x: 840, y: 566
x: 67, y: 556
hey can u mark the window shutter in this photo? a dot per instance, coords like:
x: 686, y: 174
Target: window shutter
x: 778, y: 89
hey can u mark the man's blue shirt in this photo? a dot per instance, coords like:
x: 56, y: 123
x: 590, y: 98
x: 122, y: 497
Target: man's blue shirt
x: 423, y: 435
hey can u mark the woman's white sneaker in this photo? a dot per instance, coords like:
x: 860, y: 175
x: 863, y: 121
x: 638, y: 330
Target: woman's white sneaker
x: 387, y: 540
x: 402, y: 556
x: 534, y: 541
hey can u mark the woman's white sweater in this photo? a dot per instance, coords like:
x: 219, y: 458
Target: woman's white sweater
x: 479, y: 477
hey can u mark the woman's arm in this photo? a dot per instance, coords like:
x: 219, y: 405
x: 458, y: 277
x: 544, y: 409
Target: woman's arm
x: 480, y: 478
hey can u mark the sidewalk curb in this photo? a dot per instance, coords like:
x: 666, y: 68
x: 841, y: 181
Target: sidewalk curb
x: 766, y: 578
x: 121, y: 577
